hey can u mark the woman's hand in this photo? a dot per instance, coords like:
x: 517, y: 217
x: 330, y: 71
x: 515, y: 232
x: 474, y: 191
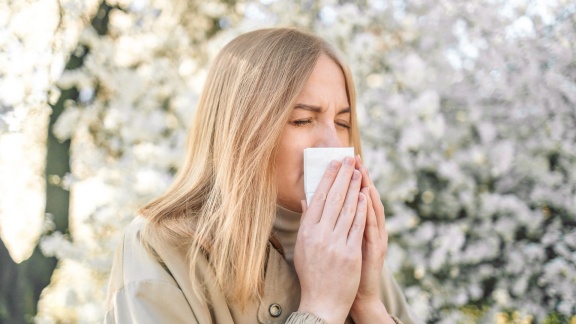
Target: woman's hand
x: 328, y: 252
x: 374, y: 246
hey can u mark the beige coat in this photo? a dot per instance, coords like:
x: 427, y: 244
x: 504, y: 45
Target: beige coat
x: 144, y: 290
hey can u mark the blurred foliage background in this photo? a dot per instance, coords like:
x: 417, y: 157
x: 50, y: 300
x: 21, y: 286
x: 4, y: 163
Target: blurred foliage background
x: 468, y: 118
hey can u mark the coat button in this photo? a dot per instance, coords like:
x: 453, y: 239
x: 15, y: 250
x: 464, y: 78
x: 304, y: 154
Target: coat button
x: 275, y: 310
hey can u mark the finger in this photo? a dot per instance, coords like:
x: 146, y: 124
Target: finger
x: 348, y: 211
x: 381, y: 218
x: 358, y: 162
x: 371, y: 214
x: 369, y: 183
x: 375, y: 198
x: 372, y: 229
x: 356, y: 233
x: 314, y: 211
x: 337, y: 193
x: 366, y: 181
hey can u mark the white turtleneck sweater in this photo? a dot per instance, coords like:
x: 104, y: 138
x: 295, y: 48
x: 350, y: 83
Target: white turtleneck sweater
x: 286, y: 228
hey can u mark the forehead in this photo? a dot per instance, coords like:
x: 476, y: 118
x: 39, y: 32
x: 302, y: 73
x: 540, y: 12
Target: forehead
x: 326, y: 85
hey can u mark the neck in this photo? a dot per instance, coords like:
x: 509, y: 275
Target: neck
x: 286, y: 227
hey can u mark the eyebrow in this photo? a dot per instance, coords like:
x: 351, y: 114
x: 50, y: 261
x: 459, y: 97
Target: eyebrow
x: 318, y: 109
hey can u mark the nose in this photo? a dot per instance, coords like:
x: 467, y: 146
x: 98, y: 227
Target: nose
x: 329, y: 138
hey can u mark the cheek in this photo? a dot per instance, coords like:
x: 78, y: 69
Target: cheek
x: 290, y: 159
x: 344, y: 137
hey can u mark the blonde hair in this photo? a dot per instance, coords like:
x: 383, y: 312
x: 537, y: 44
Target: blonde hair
x: 222, y: 203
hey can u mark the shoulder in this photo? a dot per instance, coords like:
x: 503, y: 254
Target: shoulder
x: 138, y: 261
x: 142, y: 289
x: 151, y: 278
x: 133, y: 264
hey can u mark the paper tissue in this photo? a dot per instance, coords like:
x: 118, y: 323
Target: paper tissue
x: 316, y: 161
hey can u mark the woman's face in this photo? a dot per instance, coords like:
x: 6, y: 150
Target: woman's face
x: 320, y: 118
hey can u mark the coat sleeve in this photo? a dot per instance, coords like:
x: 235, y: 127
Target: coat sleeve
x: 150, y: 301
x: 304, y: 318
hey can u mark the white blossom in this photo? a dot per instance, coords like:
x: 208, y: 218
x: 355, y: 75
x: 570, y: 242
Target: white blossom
x: 467, y: 117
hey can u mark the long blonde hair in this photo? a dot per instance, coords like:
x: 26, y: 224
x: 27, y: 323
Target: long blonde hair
x: 222, y: 203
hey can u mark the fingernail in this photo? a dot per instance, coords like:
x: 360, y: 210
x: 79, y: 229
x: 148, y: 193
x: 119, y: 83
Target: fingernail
x: 349, y: 160
x: 361, y: 197
x: 334, y: 165
x: 356, y: 175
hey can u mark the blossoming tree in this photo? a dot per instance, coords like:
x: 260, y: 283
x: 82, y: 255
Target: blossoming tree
x: 468, y: 120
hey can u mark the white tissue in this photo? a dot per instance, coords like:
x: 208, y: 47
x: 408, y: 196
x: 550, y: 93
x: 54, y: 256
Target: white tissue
x: 316, y: 161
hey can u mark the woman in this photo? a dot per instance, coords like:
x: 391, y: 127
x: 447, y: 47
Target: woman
x: 227, y: 242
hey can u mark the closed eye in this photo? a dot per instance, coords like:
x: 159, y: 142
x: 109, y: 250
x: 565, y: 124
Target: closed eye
x: 343, y: 125
x: 301, y: 122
